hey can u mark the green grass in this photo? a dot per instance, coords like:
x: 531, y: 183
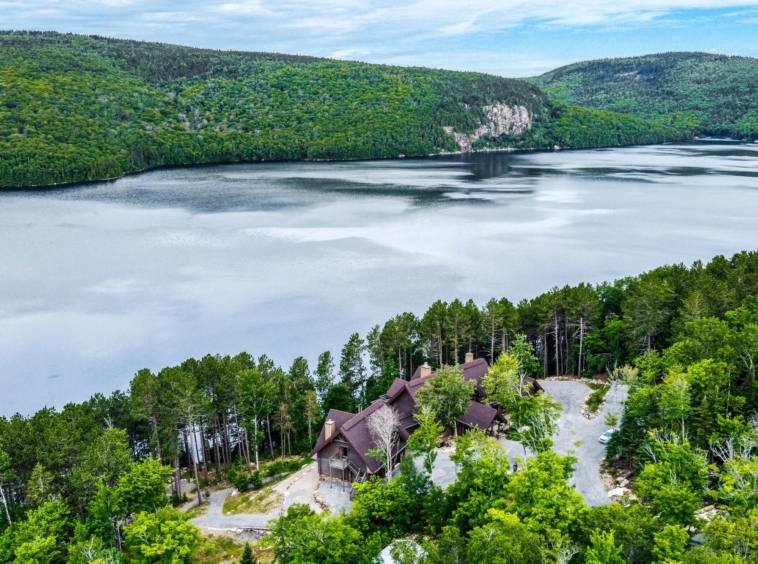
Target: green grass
x: 264, y: 500
x: 198, y: 510
x: 596, y: 398
x: 223, y: 550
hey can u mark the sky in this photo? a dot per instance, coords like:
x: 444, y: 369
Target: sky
x: 506, y: 37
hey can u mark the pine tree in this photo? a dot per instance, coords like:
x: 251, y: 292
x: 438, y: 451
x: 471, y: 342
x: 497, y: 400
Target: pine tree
x: 247, y: 555
x: 352, y: 370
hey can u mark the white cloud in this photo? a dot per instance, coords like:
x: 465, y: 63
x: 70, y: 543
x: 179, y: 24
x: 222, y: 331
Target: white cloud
x: 391, y: 30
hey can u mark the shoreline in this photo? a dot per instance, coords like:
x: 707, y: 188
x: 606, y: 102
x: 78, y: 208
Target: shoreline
x: 74, y: 184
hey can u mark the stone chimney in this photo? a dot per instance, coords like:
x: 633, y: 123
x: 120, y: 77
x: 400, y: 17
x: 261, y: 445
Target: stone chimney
x: 426, y: 370
x: 469, y: 357
x: 329, y: 429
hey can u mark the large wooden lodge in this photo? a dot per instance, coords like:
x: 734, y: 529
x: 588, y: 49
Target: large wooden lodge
x: 342, y: 447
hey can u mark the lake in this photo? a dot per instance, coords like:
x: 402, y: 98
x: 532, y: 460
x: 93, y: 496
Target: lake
x: 289, y: 259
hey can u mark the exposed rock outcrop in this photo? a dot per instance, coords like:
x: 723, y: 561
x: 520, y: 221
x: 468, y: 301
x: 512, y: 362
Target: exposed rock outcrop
x: 503, y: 120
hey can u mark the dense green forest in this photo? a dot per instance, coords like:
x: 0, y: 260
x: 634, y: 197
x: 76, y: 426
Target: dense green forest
x: 711, y: 94
x: 77, y: 108
x: 89, y: 483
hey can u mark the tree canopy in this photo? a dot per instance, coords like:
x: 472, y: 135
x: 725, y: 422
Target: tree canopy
x: 76, y: 108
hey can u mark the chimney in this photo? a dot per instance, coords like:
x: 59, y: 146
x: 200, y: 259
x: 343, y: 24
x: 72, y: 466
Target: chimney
x: 426, y: 370
x: 329, y: 429
x: 469, y: 357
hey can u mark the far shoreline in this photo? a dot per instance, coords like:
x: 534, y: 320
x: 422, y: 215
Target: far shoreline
x: 82, y: 183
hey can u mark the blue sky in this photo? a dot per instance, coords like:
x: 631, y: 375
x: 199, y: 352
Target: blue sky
x: 507, y: 37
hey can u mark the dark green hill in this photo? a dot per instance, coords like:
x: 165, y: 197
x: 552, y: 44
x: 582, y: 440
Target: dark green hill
x: 76, y: 108
x: 712, y: 94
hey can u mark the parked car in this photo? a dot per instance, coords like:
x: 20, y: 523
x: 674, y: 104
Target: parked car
x: 605, y: 437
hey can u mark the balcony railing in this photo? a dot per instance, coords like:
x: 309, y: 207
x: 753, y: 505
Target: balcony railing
x: 339, y: 462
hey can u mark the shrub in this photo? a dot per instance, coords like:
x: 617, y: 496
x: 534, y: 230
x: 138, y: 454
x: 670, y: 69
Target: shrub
x: 256, y: 481
x: 275, y: 468
x: 239, y: 478
x: 597, y: 398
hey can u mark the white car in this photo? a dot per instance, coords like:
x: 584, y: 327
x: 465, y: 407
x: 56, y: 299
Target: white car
x: 605, y: 437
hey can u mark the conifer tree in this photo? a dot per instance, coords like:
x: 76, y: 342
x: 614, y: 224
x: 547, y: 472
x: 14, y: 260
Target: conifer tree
x: 247, y: 555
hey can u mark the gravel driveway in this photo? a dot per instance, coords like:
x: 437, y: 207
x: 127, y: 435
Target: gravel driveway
x: 579, y: 436
x: 298, y: 488
x: 576, y: 435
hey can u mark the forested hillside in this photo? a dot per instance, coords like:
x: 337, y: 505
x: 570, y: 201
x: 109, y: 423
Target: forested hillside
x: 711, y: 94
x: 88, y: 483
x: 76, y: 108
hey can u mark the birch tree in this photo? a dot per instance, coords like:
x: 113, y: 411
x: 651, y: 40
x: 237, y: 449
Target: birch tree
x: 189, y: 400
x: 382, y: 426
x: 505, y: 382
x: 541, y: 423
x: 256, y: 399
x: 455, y: 327
x: 7, y: 475
x: 583, y: 308
x: 675, y: 401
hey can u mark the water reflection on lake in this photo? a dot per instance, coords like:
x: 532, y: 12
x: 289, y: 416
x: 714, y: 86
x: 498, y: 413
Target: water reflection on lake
x: 289, y: 259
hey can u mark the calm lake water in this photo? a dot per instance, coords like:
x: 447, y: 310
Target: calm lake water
x: 101, y: 280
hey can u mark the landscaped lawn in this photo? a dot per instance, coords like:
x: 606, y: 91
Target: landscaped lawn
x: 198, y: 510
x: 263, y: 500
x: 222, y: 550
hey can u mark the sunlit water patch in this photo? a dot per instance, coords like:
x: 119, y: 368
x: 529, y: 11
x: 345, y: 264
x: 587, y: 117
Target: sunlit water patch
x: 290, y: 258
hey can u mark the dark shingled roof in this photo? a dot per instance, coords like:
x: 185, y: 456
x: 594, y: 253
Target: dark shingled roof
x: 353, y: 427
x: 476, y: 370
x: 357, y: 433
x: 479, y: 415
x: 397, y: 386
x: 339, y: 418
x: 415, y: 385
x: 535, y: 387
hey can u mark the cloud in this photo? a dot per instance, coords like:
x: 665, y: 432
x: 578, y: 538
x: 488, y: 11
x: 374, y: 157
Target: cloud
x: 381, y: 32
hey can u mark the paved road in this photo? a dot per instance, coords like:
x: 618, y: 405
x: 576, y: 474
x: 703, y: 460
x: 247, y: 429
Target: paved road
x: 298, y: 488
x: 579, y: 435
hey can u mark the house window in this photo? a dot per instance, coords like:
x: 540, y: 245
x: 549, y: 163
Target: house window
x: 343, y: 452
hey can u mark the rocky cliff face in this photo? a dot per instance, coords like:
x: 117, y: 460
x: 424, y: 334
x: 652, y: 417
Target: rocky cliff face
x: 503, y: 120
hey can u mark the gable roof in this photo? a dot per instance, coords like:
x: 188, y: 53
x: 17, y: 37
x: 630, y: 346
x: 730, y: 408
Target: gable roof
x: 339, y: 418
x: 535, y: 386
x: 398, y: 386
x: 476, y: 370
x: 479, y: 415
x: 353, y: 427
x: 357, y: 434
